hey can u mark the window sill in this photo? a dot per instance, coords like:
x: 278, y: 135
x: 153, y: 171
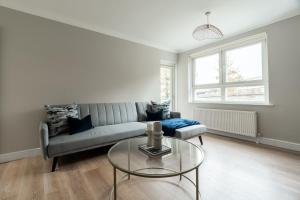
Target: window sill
x: 233, y: 103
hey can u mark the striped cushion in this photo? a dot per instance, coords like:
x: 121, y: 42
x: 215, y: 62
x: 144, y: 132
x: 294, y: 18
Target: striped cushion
x: 57, y: 118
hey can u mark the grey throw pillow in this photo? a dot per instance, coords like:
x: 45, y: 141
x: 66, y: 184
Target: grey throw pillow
x: 57, y: 118
x: 165, y: 106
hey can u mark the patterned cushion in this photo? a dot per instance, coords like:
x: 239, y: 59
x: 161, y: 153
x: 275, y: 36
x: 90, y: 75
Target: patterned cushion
x: 57, y: 118
x: 165, y: 106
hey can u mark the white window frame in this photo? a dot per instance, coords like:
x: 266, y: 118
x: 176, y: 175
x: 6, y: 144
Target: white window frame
x: 172, y: 65
x: 259, y: 38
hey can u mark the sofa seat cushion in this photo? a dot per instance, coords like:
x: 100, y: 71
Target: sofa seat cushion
x: 101, y: 135
x: 190, y: 131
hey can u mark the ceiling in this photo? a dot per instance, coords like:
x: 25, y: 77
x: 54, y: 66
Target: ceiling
x: 164, y: 24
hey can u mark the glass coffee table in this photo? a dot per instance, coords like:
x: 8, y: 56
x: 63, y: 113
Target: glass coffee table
x: 185, y: 157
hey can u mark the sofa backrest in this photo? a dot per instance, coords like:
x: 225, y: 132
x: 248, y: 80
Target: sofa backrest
x: 109, y: 113
x: 141, y: 110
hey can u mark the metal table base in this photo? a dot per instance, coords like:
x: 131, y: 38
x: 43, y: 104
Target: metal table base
x: 113, y: 193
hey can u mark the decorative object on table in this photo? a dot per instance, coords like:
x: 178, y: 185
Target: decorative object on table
x: 154, y: 145
x: 149, y: 134
x: 153, y: 152
x: 79, y: 125
x: 57, y: 118
x: 157, y: 135
x: 207, y: 31
x: 165, y: 106
x: 154, y: 115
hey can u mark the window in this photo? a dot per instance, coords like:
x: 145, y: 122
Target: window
x: 232, y: 73
x: 167, y: 84
x: 207, y: 70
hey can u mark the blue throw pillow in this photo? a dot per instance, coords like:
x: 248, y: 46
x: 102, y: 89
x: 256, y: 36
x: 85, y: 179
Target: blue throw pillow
x: 154, y: 115
x: 79, y: 125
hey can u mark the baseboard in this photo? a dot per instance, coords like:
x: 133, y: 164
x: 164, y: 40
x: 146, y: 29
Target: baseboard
x: 280, y: 143
x: 262, y: 140
x: 6, y: 157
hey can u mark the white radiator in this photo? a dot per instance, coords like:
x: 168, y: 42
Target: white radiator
x: 231, y: 121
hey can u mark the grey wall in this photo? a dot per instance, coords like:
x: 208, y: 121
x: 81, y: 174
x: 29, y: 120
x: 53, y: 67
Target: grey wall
x: 282, y: 120
x: 46, y: 62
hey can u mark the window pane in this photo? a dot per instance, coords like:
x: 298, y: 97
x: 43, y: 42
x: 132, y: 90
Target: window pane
x: 244, y: 64
x: 207, y: 70
x: 165, y: 84
x: 246, y: 94
x: 211, y: 94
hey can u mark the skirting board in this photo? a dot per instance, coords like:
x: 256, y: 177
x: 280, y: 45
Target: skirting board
x: 262, y: 140
x: 280, y: 143
x: 19, y: 155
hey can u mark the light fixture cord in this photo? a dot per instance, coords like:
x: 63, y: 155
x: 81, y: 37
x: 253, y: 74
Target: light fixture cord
x: 207, y: 18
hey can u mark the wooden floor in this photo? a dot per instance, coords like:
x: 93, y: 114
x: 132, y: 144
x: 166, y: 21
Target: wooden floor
x: 232, y: 170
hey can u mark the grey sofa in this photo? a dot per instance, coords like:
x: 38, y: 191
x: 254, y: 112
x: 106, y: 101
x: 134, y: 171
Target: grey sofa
x: 112, y: 121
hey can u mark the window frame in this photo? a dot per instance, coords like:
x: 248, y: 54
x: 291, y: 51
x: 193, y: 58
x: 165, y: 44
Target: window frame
x: 221, y: 51
x: 173, y: 67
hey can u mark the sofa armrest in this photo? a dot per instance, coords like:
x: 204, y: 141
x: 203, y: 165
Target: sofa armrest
x: 44, y: 138
x: 175, y: 115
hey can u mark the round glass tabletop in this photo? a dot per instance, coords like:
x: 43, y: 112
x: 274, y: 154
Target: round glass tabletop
x: 127, y: 157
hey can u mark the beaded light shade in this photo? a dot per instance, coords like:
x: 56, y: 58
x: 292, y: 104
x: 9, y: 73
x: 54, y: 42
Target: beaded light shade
x: 207, y: 31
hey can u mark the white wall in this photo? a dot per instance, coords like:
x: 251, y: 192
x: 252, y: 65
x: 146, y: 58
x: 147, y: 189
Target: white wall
x: 46, y: 62
x: 282, y: 120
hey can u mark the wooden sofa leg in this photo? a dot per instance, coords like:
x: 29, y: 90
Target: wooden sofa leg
x: 200, y: 138
x: 54, y: 164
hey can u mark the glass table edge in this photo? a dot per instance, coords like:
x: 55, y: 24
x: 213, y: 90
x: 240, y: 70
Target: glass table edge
x: 155, y: 175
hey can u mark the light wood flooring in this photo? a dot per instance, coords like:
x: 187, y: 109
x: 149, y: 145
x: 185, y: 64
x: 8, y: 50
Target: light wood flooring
x: 232, y: 170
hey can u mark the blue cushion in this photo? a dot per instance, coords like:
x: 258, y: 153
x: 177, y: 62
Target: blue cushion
x: 79, y: 125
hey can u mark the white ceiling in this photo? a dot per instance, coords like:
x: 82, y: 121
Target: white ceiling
x: 165, y: 24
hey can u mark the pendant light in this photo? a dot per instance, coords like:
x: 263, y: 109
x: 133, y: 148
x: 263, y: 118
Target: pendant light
x: 207, y: 31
